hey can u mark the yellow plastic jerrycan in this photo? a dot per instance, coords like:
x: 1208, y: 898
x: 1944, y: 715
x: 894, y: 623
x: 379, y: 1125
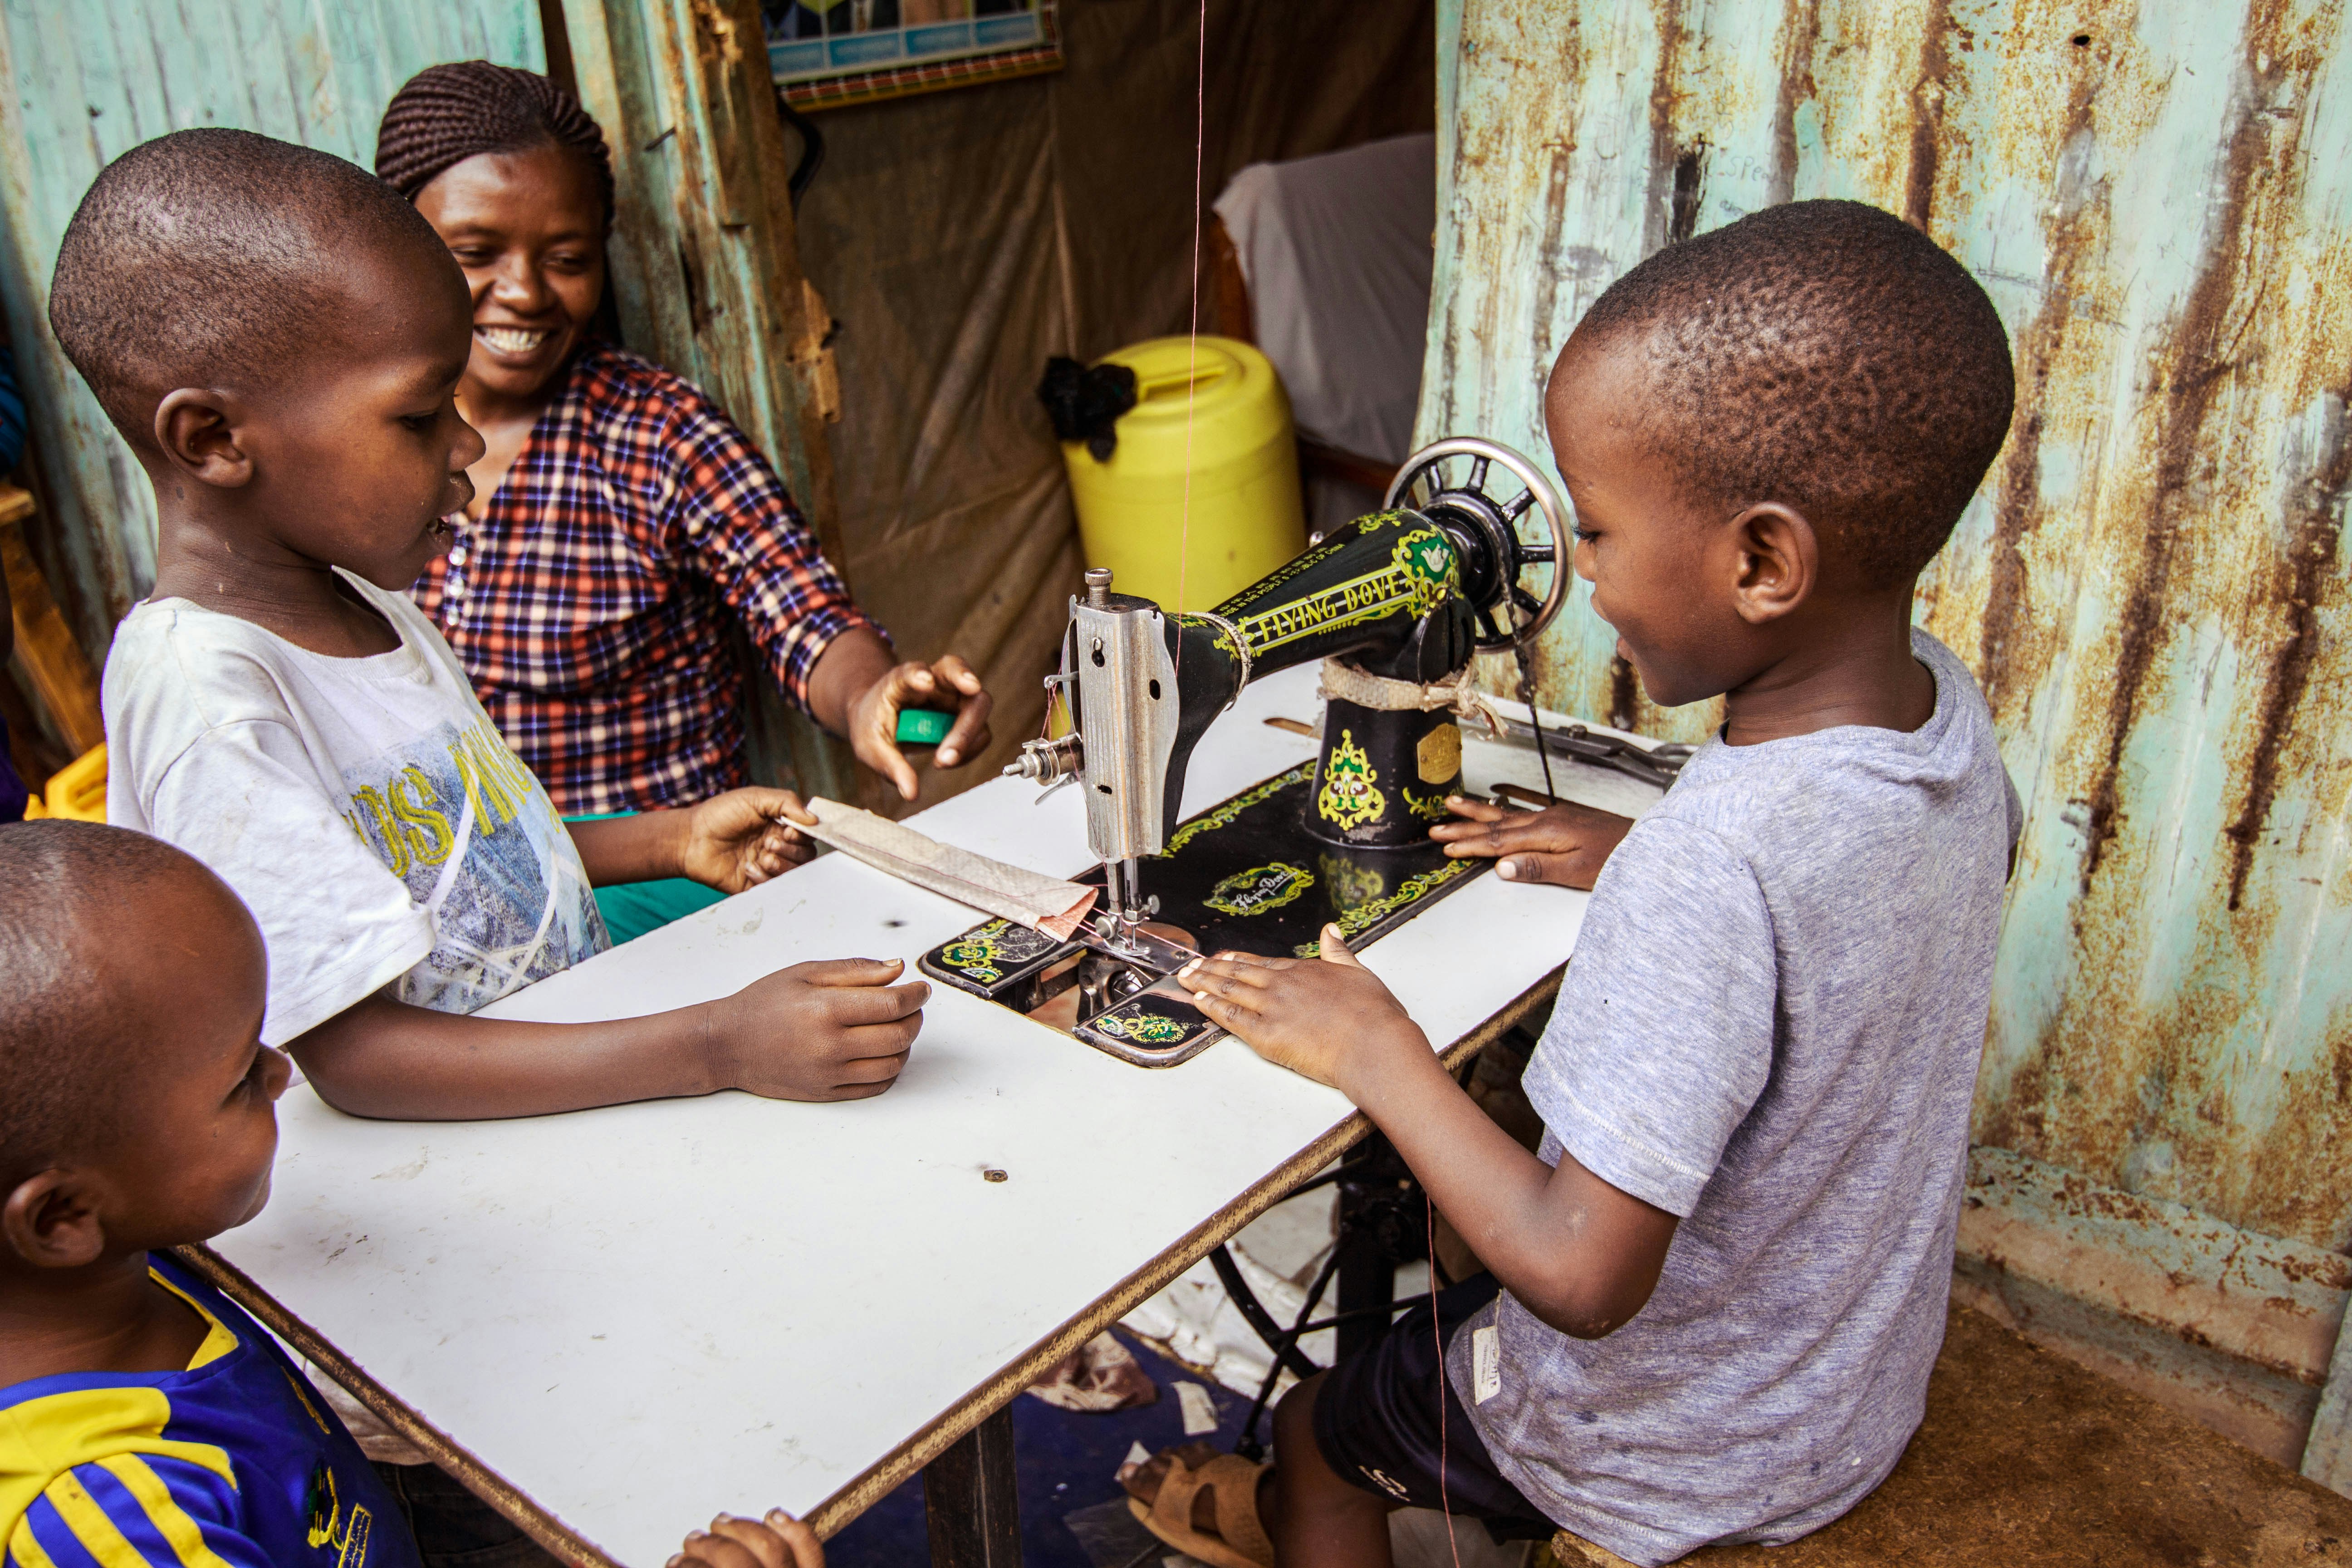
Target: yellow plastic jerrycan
x: 77, y: 791
x: 1246, y: 518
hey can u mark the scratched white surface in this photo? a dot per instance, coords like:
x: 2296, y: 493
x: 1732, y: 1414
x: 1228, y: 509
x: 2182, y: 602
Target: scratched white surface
x: 642, y: 1315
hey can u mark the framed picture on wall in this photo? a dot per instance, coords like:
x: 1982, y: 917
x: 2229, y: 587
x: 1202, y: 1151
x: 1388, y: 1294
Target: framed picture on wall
x: 828, y: 53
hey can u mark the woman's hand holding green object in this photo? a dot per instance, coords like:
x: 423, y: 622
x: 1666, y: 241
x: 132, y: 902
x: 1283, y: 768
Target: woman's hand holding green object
x: 857, y: 689
x: 1564, y: 845
x: 949, y: 685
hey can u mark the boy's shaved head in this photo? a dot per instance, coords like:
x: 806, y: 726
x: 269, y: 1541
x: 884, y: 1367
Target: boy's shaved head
x: 1826, y: 355
x: 213, y: 259
x: 71, y: 1009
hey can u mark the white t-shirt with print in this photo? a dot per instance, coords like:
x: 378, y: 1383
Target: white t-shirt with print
x: 366, y: 811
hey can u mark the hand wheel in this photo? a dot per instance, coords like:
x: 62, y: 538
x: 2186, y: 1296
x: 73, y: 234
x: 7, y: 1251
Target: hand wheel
x: 1423, y: 485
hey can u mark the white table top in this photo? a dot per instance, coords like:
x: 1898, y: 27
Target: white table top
x: 642, y: 1315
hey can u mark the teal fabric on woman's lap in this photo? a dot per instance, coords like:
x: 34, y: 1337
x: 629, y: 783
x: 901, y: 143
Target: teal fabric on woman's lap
x: 632, y: 909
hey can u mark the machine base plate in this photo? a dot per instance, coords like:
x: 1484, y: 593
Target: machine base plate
x: 1244, y: 874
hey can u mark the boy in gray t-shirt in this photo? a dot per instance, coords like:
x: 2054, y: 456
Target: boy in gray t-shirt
x: 1717, y: 1293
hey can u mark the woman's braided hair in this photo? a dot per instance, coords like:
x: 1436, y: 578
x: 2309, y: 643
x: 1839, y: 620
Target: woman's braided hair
x: 446, y: 114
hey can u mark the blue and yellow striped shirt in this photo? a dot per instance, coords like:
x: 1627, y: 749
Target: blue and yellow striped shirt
x: 233, y: 1463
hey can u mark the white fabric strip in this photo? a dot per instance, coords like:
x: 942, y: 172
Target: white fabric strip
x: 1031, y: 897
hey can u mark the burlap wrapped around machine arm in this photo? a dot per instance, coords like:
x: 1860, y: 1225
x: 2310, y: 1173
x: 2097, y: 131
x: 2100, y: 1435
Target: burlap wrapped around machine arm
x: 1041, y: 902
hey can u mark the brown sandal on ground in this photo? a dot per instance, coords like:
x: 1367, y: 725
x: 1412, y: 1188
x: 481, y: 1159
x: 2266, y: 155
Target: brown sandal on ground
x: 1229, y: 1482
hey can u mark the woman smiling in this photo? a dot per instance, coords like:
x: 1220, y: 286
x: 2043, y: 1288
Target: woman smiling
x: 619, y: 518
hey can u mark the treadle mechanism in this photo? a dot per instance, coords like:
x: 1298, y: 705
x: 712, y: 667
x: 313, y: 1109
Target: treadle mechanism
x: 1382, y: 1226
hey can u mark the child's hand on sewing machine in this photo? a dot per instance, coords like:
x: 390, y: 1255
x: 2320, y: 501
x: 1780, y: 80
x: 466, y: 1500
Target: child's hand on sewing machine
x: 1327, y: 1018
x: 1564, y: 844
x: 742, y: 838
x: 779, y: 1540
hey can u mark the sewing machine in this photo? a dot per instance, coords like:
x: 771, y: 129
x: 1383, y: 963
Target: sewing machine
x: 1396, y: 603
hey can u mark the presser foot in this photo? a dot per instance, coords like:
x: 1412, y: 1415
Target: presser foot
x: 1114, y: 992
x: 1244, y: 874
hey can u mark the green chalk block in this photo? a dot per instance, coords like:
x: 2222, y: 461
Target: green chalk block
x: 923, y: 726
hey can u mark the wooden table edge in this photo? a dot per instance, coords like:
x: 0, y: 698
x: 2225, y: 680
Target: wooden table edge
x: 477, y: 1477
x: 927, y: 1444
x: 1140, y: 1287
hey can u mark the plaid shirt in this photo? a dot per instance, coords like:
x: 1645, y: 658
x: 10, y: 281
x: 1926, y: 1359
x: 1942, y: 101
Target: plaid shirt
x: 590, y: 602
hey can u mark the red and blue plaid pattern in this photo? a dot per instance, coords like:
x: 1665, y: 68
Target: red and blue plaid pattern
x: 590, y: 602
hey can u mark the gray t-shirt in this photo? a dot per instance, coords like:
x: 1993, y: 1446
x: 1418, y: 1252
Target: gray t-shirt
x: 1771, y: 1027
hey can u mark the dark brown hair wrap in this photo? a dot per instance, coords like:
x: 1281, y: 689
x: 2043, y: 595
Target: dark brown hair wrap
x: 446, y: 114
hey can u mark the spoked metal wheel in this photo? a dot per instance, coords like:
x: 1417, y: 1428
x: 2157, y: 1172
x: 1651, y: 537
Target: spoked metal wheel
x: 1455, y: 481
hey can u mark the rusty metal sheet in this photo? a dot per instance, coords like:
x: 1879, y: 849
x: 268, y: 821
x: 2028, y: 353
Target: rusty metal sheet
x: 86, y: 82
x: 707, y: 277
x: 2151, y: 586
x: 2236, y: 1329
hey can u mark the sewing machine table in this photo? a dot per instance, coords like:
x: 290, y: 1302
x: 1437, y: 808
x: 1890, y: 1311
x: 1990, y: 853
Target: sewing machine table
x: 619, y: 1322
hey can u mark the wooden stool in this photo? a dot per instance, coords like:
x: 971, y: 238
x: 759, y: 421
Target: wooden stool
x: 2027, y: 1461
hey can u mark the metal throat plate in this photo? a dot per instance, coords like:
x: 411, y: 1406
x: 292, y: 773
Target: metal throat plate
x: 1244, y: 874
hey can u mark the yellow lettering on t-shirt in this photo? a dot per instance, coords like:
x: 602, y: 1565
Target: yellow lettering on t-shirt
x: 500, y: 783
x: 520, y: 778
x: 394, y: 848
x: 477, y: 768
x: 412, y: 798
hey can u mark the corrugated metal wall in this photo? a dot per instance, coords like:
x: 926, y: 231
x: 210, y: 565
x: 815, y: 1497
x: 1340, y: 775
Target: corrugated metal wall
x: 2151, y: 586
x: 85, y: 82
x: 706, y: 279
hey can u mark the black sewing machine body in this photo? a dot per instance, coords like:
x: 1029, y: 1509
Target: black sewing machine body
x: 1384, y: 592
x: 1402, y: 598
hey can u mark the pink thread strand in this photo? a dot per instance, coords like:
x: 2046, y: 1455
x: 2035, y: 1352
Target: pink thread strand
x: 1444, y: 1498
x: 1193, y: 360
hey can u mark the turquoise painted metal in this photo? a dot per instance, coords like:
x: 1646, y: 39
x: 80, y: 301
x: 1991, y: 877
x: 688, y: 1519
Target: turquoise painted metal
x: 707, y: 280
x: 2151, y: 586
x: 86, y: 82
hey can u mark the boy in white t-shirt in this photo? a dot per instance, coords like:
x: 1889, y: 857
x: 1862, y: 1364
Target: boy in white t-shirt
x: 278, y: 336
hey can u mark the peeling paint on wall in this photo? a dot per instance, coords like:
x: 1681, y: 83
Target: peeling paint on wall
x: 2234, y: 1328
x: 2151, y: 585
x: 86, y: 83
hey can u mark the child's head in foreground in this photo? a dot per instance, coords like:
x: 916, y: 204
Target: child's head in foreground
x: 278, y: 336
x: 1768, y: 432
x: 139, y: 1112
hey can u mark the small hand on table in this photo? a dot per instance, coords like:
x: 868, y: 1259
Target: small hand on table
x: 779, y: 1540
x: 830, y: 1029
x: 1564, y: 844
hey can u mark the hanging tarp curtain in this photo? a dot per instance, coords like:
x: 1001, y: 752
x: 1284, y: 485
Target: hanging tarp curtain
x: 963, y: 238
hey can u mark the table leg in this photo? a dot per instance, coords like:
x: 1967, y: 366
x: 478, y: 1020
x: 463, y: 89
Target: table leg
x: 970, y: 1501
